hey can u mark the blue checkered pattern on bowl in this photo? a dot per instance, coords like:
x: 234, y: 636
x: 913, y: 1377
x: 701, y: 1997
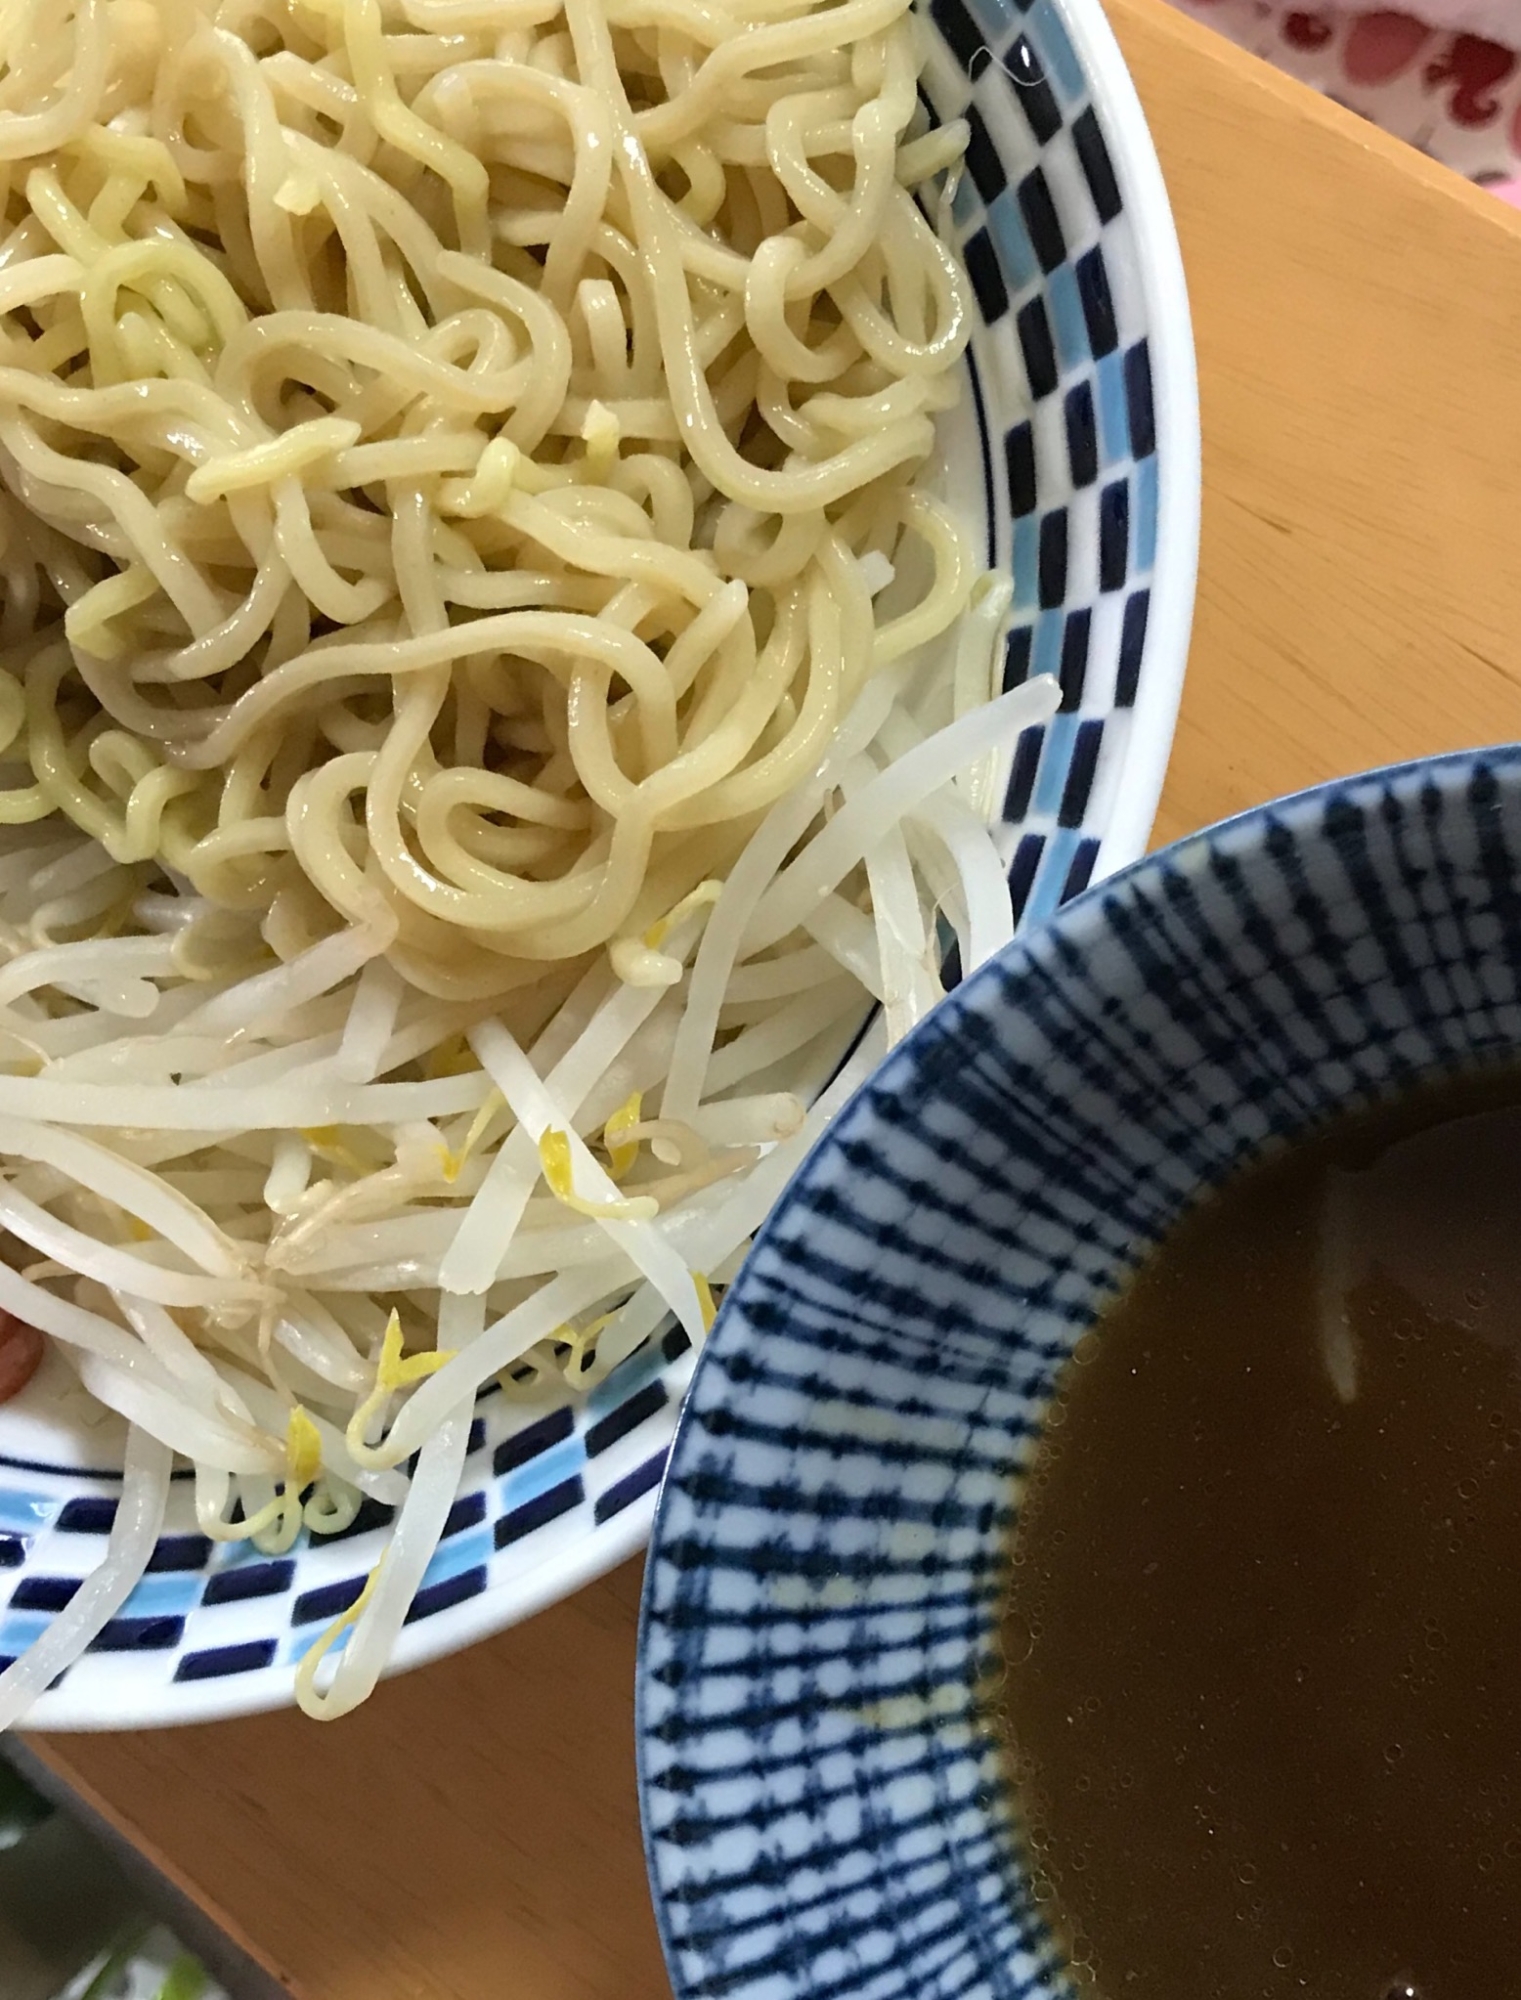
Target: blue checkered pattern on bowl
x: 1072, y: 484
x: 539, y: 1483
x: 822, y: 1783
x: 1059, y: 449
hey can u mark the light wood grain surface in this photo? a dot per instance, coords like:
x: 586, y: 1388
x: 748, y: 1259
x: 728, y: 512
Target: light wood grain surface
x: 472, y: 1834
x: 1356, y: 316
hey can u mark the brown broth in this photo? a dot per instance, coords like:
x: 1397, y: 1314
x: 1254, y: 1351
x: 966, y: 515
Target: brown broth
x: 1264, y: 1629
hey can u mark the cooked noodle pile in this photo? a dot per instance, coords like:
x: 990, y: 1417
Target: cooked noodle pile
x: 466, y: 605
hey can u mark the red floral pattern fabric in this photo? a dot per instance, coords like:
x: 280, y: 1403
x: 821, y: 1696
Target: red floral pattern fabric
x: 1455, y: 95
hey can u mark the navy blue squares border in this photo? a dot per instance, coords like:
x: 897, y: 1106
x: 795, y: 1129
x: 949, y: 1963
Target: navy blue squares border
x: 1130, y: 413
x: 991, y: 285
x: 538, y: 1512
x: 633, y: 1486
x: 187, y: 1571
x: 1074, y: 484
x: 217, y: 1662
x: 1044, y: 229
x: 1071, y: 669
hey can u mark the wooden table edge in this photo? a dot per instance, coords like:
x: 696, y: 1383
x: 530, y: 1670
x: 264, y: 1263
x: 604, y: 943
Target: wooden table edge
x: 1284, y: 98
x: 1152, y: 36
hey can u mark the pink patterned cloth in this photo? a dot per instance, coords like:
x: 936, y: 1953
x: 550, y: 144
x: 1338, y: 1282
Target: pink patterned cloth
x: 1448, y: 90
x: 1489, y: 20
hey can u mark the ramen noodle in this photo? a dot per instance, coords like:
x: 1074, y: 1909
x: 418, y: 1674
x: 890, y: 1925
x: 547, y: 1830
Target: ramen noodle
x: 469, y: 590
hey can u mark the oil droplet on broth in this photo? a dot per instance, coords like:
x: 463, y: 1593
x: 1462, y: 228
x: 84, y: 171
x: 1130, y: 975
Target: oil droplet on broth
x: 1018, y: 1641
x: 1183, y: 1535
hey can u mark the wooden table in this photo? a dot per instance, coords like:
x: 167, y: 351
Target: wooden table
x: 472, y: 1834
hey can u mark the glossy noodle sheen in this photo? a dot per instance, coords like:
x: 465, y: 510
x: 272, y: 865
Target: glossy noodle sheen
x: 451, y: 438
x: 485, y: 704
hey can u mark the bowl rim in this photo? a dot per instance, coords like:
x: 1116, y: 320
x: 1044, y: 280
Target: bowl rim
x: 1175, y: 394
x: 931, y: 1041
x: 1179, y: 445
x: 1169, y: 333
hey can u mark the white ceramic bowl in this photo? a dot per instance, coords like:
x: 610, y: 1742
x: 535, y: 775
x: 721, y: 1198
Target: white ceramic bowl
x: 1078, y: 446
